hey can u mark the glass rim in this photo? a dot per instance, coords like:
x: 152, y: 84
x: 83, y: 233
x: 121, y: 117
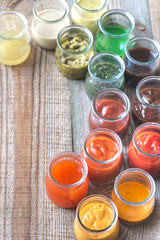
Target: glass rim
x: 72, y: 155
x: 104, y: 199
x: 138, y: 90
x: 25, y: 25
x: 121, y: 12
x: 107, y: 132
x: 91, y: 10
x: 86, y: 30
x: 144, y: 173
x: 111, y: 90
x: 137, y: 131
x: 64, y: 3
x: 134, y: 39
x: 106, y: 53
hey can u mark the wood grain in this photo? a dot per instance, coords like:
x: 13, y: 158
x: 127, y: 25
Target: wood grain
x: 43, y: 113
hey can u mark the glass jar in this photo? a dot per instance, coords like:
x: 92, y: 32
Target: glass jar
x: 141, y: 59
x: 50, y: 17
x: 14, y: 38
x: 74, y: 50
x: 87, y: 13
x: 67, y: 179
x: 96, y: 201
x: 146, y: 102
x: 110, y: 109
x: 102, y: 150
x: 134, y: 195
x: 115, y: 29
x: 105, y: 70
x: 144, y: 149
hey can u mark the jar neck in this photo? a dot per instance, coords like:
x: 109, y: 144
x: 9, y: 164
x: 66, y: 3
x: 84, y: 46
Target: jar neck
x: 91, y: 10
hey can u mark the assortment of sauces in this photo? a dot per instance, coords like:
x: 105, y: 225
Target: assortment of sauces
x: 68, y: 174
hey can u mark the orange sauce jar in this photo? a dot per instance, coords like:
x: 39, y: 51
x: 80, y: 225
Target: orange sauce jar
x: 96, y: 218
x: 102, y: 151
x: 67, y: 179
x: 134, y: 195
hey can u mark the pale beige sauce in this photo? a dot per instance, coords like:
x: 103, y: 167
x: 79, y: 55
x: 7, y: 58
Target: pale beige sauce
x: 91, y: 4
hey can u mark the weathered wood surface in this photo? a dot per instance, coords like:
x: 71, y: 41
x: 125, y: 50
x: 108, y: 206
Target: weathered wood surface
x: 43, y: 113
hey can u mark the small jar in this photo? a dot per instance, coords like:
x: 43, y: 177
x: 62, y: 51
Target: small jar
x: 146, y: 102
x: 141, y: 59
x: 14, y: 38
x: 134, y: 195
x: 67, y: 179
x: 87, y: 13
x: 49, y: 18
x: 105, y: 70
x: 144, y: 149
x: 85, y: 230
x: 110, y: 109
x: 115, y: 29
x: 102, y: 150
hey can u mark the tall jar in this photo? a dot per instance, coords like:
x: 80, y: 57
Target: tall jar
x: 87, y: 13
x: 14, y: 38
x: 107, y: 229
x: 115, y: 29
x: 67, y: 179
x: 102, y: 150
x: 144, y: 149
x: 146, y: 102
x: 110, y: 109
x: 74, y: 50
x: 134, y: 195
x: 105, y: 70
x: 141, y: 59
x: 50, y: 17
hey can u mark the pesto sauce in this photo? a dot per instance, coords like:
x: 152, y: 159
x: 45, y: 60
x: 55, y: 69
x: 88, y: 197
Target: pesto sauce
x: 105, y: 70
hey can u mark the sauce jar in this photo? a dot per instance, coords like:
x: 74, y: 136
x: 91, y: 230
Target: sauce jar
x: 105, y: 70
x: 14, y: 38
x: 49, y: 18
x: 115, y: 29
x: 102, y: 150
x: 141, y: 59
x: 67, y: 179
x: 96, y: 218
x: 74, y: 50
x: 87, y: 13
x: 110, y: 109
x: 144, y: 149
x: 134, y: 195
x: 146, y: 102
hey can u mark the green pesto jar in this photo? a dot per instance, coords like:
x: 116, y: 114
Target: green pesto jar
x: 105, y: 70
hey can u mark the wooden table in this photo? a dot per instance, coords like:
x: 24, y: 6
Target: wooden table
x: 43, y: 113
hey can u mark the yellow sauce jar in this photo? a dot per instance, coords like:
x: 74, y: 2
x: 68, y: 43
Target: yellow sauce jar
x: 96, y: 218
x: 14, y: 38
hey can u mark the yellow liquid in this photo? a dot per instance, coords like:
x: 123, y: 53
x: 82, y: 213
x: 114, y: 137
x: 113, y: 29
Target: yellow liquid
x: 13, y: 52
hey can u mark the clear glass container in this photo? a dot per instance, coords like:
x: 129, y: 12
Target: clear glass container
x: 74, y: 50
x: 108, y: 233
x: 115, y: 29
x: 105, y: 70
x: 146, y: 102
x: 50, y: 17
x: 102, y: 150
x: 67, y: 179
x: 87, y: 13
x: 14, y: 38
x: 144, y: 149
x: 110, y: 109
x: 141, y: 59
x: 143, y: 187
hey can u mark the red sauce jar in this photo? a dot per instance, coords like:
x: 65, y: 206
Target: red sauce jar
x: 102, y: 150
x: 110, y: 109
x: 67, y: 179
x: 144, y: 149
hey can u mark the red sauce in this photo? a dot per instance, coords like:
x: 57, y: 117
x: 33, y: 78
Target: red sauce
x: 149, y: 143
